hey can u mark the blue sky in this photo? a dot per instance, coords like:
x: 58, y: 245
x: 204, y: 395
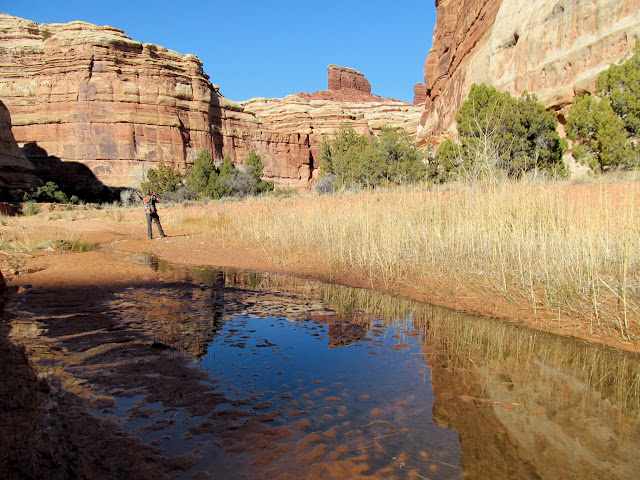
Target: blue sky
x: 270, y: 49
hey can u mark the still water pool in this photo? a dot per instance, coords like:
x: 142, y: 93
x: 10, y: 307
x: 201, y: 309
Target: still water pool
x: 307, y: 380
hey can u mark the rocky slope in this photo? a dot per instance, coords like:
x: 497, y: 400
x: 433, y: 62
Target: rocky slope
x: 16, y: 171
x: 554, y: 49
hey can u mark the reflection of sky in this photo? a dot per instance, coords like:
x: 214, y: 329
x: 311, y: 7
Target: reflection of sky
x: 282, y: 362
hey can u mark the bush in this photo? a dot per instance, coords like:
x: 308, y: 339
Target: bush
x: 162, y: 179
x: 30, y: 208
x: 500, y: 133
x: 225, y: 180
x: 605, y: 127
x: 325, y: 184
x: 365, y: 160
x: 128, y: 197
x: 50, y: 192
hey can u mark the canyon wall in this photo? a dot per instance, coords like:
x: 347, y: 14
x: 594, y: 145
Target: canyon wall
x: 82, y: 93
x: 16, y: 171
x: 555, y: 49
x: 91, y: 96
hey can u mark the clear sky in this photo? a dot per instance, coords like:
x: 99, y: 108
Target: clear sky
x: 269, y: 48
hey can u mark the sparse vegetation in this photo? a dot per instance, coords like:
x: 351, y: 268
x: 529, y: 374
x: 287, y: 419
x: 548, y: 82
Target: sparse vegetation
x: 226, y: 180
x: 501, y: 135
x: 605, y: 127
x: 50, y: 192
x: 353, y: 159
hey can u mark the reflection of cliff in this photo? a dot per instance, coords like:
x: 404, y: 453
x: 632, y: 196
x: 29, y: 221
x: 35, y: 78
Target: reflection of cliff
x: 525, y: 404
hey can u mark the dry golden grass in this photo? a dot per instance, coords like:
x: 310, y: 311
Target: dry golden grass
x: 572, y: 250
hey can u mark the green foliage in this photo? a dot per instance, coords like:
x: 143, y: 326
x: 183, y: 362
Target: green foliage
x: 254, y: 168
x: 162, y: 179
x: 365, y: 160
x: 605, y: 128
x: 203, y: 168
x: 30, y: 208
x: 498, y: 132
x: 225, y: 180
x: 50, y: 192
x: 621, y: 85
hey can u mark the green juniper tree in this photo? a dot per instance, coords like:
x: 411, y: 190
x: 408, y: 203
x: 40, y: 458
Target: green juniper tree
x: 605, y: 127
x: 353, y: 159
x: 500, y: 133
x: 162, y: 179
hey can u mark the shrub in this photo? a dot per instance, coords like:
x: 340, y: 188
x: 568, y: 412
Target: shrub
x: 50, y: 192
x: 225, y: 180
x: 128, y: 197
x: 30, y: 208
x: 325, y: 184
x: 500, y: 133
x: 605, y: 127
x: 350, y: 158
x: 162, y: 179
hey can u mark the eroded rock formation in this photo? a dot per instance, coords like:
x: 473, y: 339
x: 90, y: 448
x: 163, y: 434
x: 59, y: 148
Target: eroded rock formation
x: 553, y: 49
x: 314, y: 116
x: 16, y: 171
x: 419, y: 94
x: 89, y: 94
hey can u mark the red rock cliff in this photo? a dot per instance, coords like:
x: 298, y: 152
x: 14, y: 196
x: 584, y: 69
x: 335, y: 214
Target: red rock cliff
x: 553, y: 49
x: 92, y: 95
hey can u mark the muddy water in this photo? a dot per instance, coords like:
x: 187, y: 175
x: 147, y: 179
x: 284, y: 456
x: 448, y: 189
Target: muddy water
x: 241, y: 375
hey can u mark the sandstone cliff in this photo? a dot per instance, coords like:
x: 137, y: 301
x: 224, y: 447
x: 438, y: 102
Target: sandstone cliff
x: 348, y: 100
x: 554, y: 49
x: 90, y: 94
x: 16, y: 171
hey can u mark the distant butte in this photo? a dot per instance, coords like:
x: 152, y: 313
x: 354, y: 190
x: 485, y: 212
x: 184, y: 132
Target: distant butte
x: 345, y: 85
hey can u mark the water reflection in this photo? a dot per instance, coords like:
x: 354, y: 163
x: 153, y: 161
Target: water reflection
x: 411, y: 389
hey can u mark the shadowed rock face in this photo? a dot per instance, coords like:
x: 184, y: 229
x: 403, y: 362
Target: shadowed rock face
x: 553, y: 49
x: 16, y: 171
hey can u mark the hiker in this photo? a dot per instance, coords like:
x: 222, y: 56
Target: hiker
x: 150, y: 200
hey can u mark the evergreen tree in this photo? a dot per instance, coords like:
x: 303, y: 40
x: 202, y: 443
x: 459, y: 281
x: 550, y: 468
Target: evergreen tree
x: 162, y: 179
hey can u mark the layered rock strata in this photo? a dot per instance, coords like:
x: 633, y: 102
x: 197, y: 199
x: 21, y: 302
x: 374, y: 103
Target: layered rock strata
x: 90, y: 94
x: 315, y: 117
x: 16, y: 171
x: 553, y: 49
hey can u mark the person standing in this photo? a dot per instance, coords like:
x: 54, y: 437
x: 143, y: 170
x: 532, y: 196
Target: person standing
x: 149, y: 200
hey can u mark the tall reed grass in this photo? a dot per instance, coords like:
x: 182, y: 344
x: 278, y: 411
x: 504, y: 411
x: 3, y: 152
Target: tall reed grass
x: 571, y: 250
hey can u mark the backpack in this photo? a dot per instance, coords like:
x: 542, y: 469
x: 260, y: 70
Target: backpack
x: 149, y: 205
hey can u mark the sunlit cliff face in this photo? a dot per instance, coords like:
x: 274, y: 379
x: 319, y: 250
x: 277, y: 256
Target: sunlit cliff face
x: 554, y: 50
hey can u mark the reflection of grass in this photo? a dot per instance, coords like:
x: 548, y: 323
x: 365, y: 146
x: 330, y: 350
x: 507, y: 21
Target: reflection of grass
x: 546, y: 249
x: 499, y: 345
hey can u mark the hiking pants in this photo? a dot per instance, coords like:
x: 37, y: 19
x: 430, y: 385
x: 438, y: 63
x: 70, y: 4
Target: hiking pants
x: 156, y: 219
